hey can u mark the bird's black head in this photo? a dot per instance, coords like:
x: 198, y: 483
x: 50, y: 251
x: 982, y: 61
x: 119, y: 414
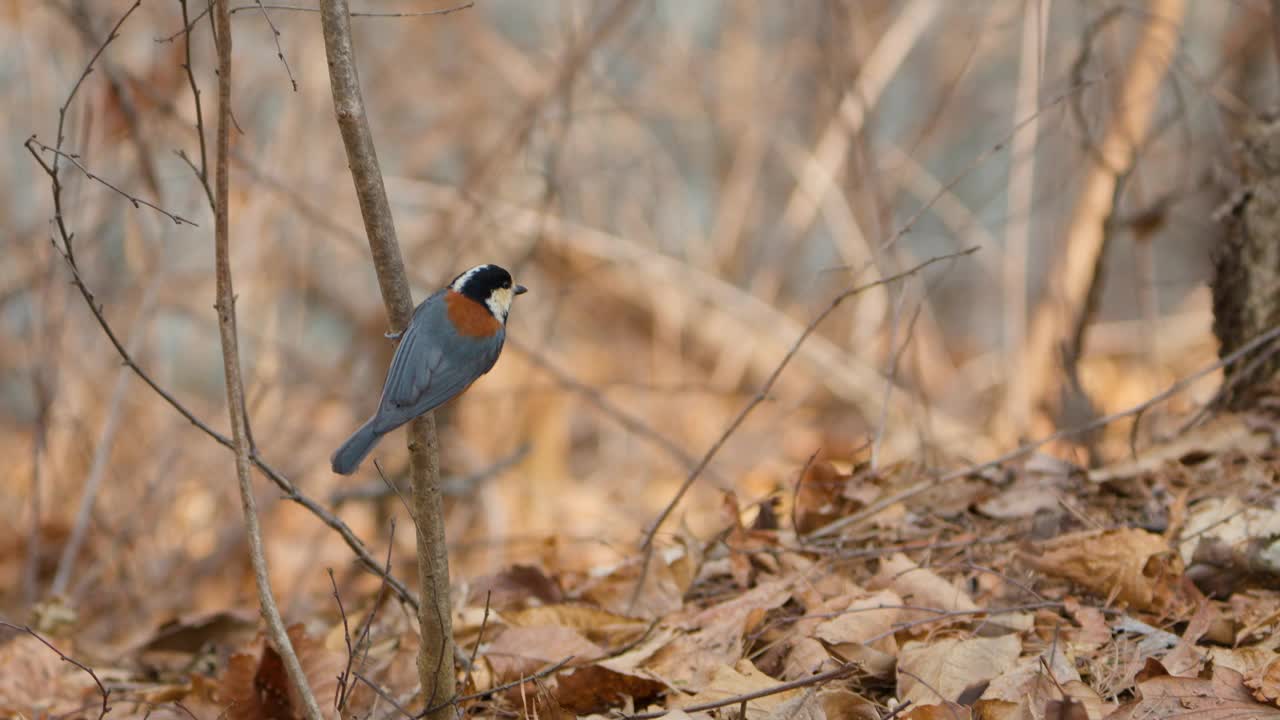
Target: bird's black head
x: 489, y: 285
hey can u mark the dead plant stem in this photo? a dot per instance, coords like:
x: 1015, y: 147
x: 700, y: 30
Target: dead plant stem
x: 435, y: 656
x: 231, y: 366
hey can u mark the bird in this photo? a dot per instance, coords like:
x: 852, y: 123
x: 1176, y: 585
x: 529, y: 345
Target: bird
x: 455, y: 336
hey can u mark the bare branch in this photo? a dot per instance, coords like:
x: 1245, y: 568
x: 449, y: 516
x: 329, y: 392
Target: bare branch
x: 231, y: 367
x: 435, y: 655
x: 32, y: 143
x: 275, y: 35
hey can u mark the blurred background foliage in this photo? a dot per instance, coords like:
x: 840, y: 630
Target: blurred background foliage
x: 647, y: 169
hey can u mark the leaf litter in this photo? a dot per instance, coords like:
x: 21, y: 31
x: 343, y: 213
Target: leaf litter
x: 1025, y: 594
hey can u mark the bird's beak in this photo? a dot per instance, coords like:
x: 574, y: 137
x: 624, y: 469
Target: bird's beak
x: 520, y: 289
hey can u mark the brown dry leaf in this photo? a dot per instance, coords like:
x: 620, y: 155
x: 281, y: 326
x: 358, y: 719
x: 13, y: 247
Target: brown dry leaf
x: 671, y: 571
x: 818, y: 500
x: 742, y: 678
x: 1223, y: 696
x: 803, y: 706
x: 1094, y: 631
x: 514, y: 587
x: 1186, y: 659
x: 842, y: 704
x: 806, y: 657
x: 940, y: 711
x: 1134, y: 566
x: 866, y: 619
x: 1264, y: 682
x: 1025, y: 691
x: 190, y: 634
x: 521, y: 651
x: 690, y: 660
x: 1066, y: 710
x: 1024, y: 498
x: 1243, y: 660
x: 35, y: 682
x: 940, y: 670
x: 257, y: 687
x: 596, y: 688
x: 919, y: 586
x: 598, y: 626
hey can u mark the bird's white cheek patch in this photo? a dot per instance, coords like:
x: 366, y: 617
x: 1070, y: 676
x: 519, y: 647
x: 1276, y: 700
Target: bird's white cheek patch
x: 499, y: 302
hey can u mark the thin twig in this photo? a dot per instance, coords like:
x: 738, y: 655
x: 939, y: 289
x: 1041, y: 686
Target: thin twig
x: 202, y: 172
x: 795, y: 495
x: 763, y: 393
x: 500, y: 688
x: 340, y: 692
x: 384, y: 695
x: 275, y: 35
x: 818, y: 679
x: 839, y: 524
x: 74, y: 159
x: 484, y: 622
x: 102, y: 689
x: 225, y: 306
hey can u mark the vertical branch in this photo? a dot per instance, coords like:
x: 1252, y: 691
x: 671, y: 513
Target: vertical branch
x: 231, y: 365
x: 1035, y: 19
x: 435, y: 655
x: 1071, y: 275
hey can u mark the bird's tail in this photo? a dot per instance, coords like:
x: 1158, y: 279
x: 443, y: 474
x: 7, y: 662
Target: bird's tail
x: 347, y: 458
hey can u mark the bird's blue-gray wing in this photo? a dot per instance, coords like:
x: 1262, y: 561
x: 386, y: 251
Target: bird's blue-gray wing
x: 432, y: 365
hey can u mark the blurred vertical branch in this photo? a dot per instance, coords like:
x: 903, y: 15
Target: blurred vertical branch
x: 1070, y: 278
x: 225, y: 306
x: 1035, y: 22
x: 435, y: 655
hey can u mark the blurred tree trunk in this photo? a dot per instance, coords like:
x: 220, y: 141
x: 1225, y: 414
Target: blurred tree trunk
x: 1246, y: 273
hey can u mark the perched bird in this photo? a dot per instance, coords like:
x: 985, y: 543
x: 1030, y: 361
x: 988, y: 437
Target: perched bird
x: 454, y: 338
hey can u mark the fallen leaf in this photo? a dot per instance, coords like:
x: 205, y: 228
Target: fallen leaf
x: 1066, y: 710
x: 35, y: 682
x: 1134, y: 566
x: 940, y: 670
x: 1243, y: 660
x: 596, y: 688
x: 256, y: 686
x: 1187, y: 658
x: 863, y: 632
x: 842, y: 704
x: 740, y: 679
x: 1264, y: 682
x: 919, y: 586
x: 520, y: 651
x: 1093, y: 624
x: 691, y: 659
x: 671, y: 571
x: 806, y: 657
x: 598, y: 626
x: 937, y: 711
x: 514, y: 587
x: 1223, y: 696
x: 1024, y: 498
